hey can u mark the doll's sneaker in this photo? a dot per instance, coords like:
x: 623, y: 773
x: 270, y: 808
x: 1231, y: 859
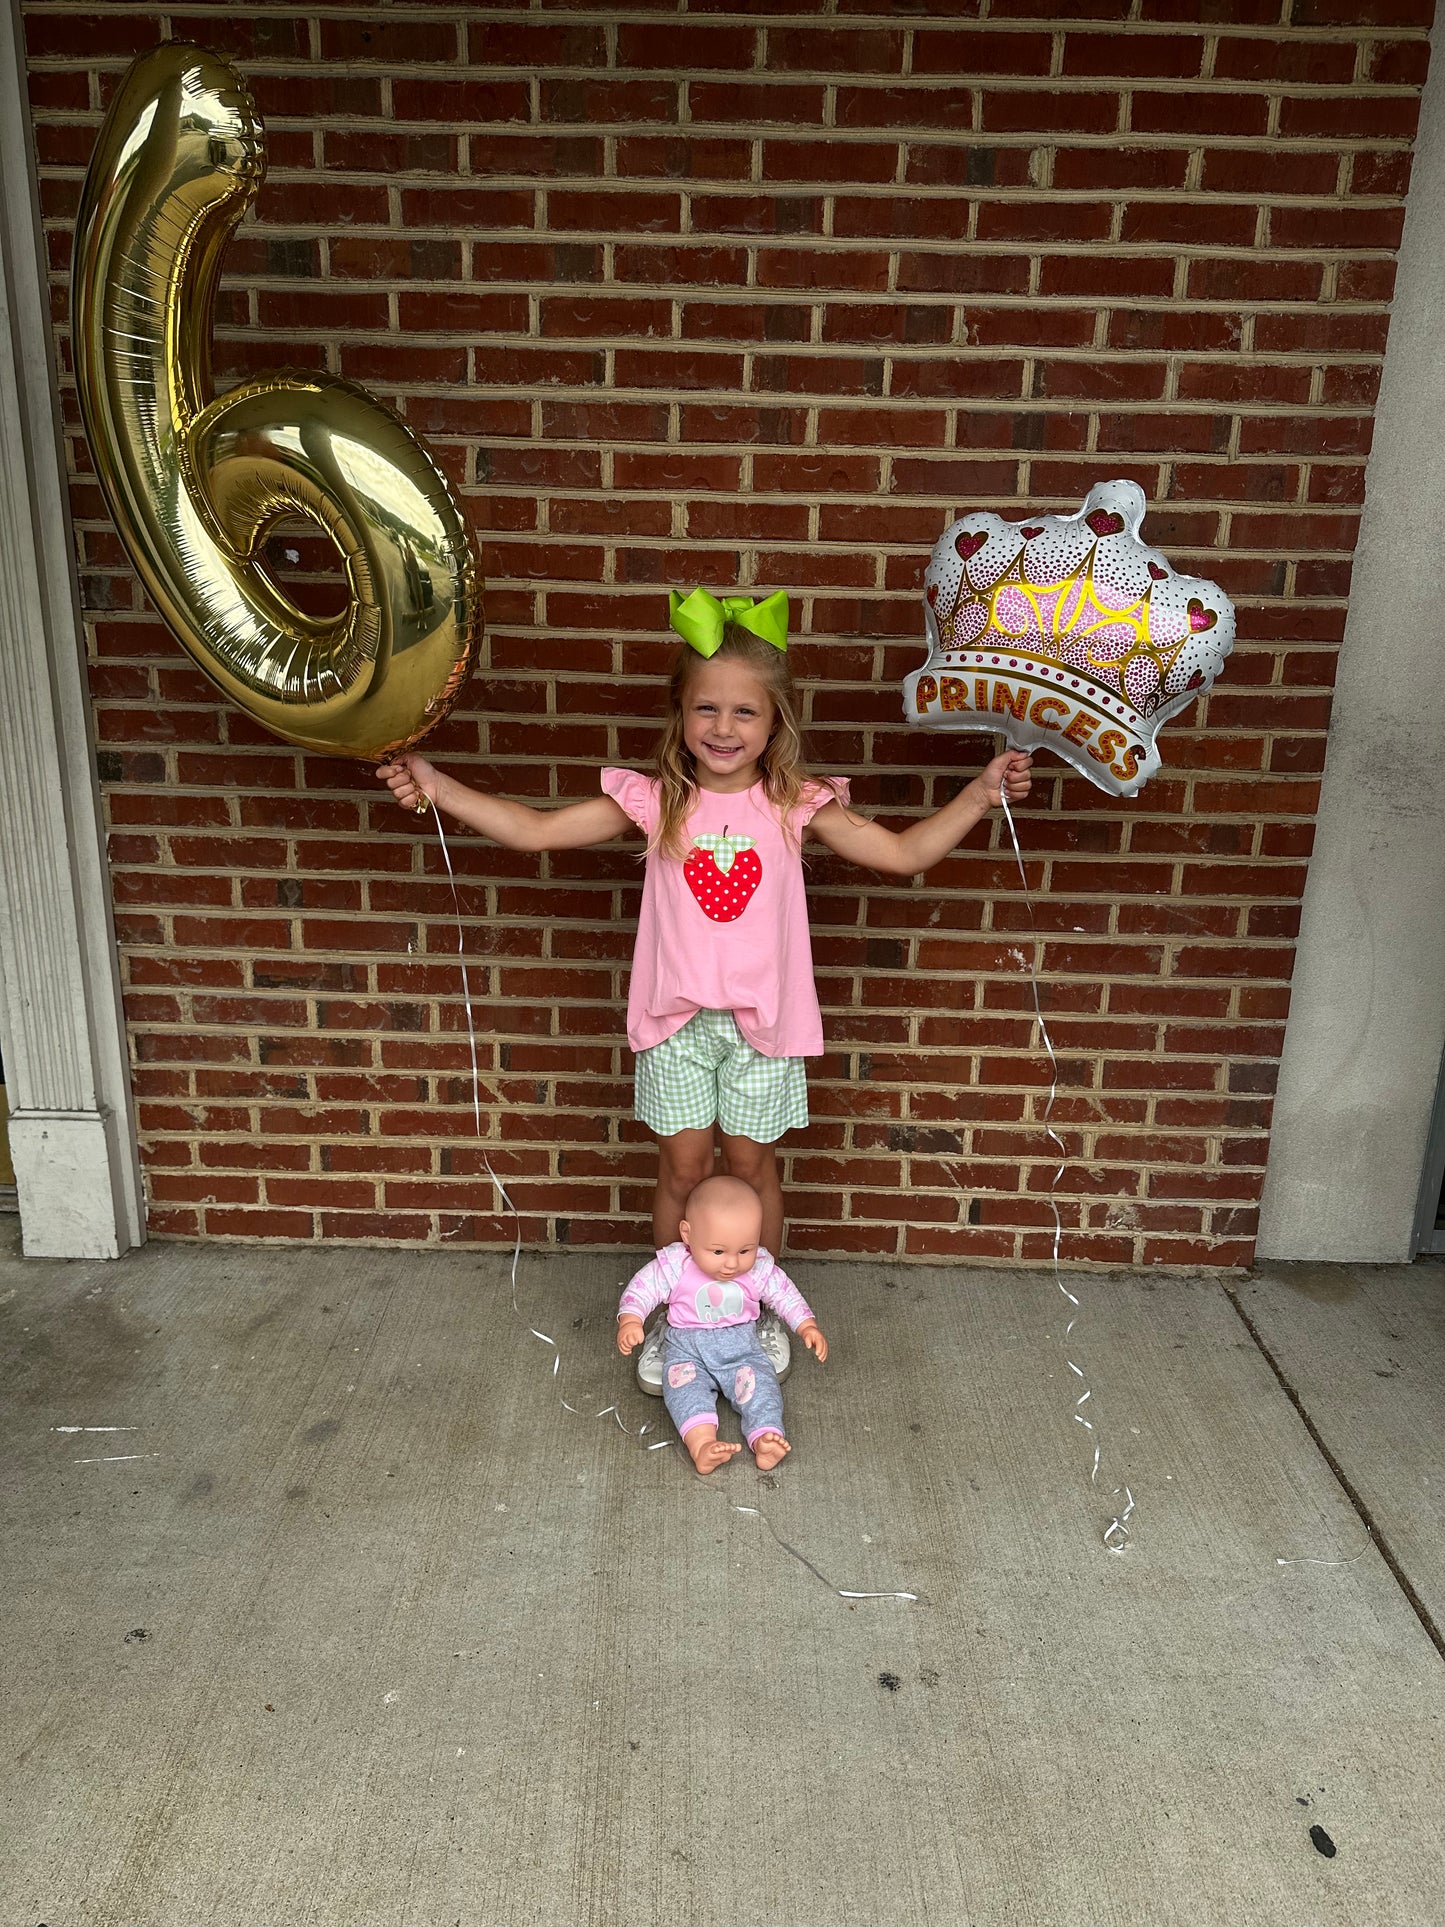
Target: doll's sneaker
x: 649, y: 1359
x: 777, y: 1348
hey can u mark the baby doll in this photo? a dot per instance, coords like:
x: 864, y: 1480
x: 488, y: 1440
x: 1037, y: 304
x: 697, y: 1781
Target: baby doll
x: 713, y: 1282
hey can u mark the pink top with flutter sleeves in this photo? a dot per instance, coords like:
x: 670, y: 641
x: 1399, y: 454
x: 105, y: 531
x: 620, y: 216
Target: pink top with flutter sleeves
x: 725, y: 928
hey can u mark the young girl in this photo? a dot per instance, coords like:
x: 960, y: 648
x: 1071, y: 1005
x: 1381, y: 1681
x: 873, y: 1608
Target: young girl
x: 722, y: 1008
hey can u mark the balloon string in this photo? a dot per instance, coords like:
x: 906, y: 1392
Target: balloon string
x: 1331, y: 1562
x: 544, y: 1338
x: 607, y: 1411
x: 756, y: 1512
x: 1116, y: 1535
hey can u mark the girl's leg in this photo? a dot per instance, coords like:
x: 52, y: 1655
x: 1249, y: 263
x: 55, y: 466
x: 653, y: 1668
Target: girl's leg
x: 757, y: 1164
x: 683, y: 1161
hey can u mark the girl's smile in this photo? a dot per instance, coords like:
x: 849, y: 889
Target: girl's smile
x: 727, y: 720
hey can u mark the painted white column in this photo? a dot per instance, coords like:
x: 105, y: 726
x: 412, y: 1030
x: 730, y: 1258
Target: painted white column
x: 71, y: 1130
x: 1367, y: 1016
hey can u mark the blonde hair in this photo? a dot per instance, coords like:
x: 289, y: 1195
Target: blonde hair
x: 785, y: 775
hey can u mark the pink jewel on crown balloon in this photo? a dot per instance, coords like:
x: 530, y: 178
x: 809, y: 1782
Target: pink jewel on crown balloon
x: 1067, y: 632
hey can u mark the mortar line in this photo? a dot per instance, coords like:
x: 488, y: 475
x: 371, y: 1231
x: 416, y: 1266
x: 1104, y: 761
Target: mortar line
x: 1366, y: 1516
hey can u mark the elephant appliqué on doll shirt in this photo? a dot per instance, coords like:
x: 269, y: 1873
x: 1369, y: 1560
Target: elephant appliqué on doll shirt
x: 718, y: 1300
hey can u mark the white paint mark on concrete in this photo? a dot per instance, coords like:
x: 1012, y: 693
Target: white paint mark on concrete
x: 93, y: 1428
x: 118, y: 1458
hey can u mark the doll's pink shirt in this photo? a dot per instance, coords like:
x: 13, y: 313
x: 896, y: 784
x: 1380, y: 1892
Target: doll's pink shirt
x: 696, y: 1302
x: 752, y: 956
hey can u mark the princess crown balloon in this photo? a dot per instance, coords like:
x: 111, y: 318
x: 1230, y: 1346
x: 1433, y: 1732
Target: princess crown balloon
x: 1067, y: 631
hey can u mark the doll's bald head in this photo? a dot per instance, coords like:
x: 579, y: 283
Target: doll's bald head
x: 722, y: 1227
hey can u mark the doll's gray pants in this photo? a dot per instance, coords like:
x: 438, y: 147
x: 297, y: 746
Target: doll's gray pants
x: 726, y: 1359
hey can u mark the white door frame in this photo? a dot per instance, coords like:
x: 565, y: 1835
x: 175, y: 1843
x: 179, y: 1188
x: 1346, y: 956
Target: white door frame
x: 72, y: 1123
x: 1367, y: 1013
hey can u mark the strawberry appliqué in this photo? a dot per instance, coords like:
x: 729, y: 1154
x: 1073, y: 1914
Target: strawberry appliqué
x: 722, y: 872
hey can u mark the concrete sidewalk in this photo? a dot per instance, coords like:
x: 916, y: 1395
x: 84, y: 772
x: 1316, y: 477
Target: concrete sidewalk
x: 356, y: 1624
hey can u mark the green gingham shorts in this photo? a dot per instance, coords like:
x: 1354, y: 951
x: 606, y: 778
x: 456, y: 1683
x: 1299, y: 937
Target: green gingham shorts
x: 708, y: 1072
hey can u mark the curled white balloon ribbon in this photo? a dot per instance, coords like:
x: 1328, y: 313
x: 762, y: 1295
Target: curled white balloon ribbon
x: 658, y: 1445
x: 1116, y: 1535
x: 497, y: 1183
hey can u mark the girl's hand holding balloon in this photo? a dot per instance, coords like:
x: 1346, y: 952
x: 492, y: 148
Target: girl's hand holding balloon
x: 1012, y: 771
x: 412, y: 781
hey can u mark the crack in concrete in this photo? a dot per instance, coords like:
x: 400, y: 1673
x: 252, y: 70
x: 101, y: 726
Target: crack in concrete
x: 1356, y: 1498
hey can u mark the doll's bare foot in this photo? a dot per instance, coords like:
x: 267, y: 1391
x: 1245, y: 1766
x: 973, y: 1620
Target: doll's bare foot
x: 707, y: 1450
x: 769, y: 1448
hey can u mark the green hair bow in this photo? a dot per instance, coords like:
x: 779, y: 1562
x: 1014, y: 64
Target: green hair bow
x: 701, y: 618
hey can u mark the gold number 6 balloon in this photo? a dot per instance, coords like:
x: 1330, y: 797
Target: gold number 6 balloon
x: 195, y: 483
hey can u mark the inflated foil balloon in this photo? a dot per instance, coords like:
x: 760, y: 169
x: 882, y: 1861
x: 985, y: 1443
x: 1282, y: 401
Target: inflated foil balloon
x: 1067, y: 631
x: 195, y: 483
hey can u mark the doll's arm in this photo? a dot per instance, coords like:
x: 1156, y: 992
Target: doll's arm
x: 813, y: 1338
x: 904, y: 853
x: 516, y: 826
x: 642, y: 1294
x: 777, y: 1291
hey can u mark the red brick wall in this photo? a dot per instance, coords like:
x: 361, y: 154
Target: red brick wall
x: 765, y: 296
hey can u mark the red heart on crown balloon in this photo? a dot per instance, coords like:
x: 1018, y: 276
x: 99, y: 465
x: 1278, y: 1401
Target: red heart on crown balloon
x: 1103, y: 523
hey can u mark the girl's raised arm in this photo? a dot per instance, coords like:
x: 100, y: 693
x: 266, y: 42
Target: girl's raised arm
x: 904, y: 853
x: 516, y: 826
